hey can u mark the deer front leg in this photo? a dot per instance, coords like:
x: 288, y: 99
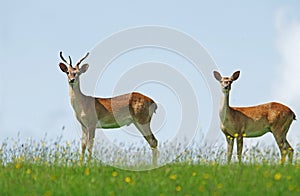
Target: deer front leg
x: 155, y: 155
x: 230, y: 141
x: 90, y: 142
x: 83, y: 144
x: 239, y: 143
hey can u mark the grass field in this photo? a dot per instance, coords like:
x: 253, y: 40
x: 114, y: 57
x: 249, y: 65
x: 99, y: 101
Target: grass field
x: 41, y: 168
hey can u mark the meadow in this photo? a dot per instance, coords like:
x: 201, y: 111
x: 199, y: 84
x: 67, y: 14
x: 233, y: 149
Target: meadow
x: 54, y: 168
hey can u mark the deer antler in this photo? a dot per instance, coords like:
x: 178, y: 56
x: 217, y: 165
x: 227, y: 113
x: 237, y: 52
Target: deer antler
x: 77, y: 65
x: 70, y: 61
x: 62, y: 58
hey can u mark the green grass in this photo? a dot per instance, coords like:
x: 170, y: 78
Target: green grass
x: 177, y: 178
x: 41, y: 168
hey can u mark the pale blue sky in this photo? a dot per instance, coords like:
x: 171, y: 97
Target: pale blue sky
x: 257, y: 37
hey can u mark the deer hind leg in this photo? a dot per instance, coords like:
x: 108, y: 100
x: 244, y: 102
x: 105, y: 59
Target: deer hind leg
x: 285, y: 148
x: 150, y: 138
x: 290, y: 151
x: 282, y: 147
x: 288, y: 148
x: 230, y: 141
x: 283, y: 144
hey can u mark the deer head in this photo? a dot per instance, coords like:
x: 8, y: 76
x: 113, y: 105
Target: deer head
x: 73, y: 73
x: 226, y: 81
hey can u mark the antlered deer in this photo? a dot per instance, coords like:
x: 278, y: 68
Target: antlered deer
x: 107, y: 113
x: 254, y: 121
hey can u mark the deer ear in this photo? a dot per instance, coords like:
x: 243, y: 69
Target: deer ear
x: 63, y: 67
x: 235, y: 75
x: 84, y: 68
x: 217, y: 76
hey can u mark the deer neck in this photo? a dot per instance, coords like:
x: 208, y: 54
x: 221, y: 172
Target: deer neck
x: 76, y: 95
x: 225, y: 109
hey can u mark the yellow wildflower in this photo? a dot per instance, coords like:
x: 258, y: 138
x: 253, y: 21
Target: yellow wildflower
x: 53, y: 177
x: 36, y: 159
x: 173, y: 177
x: 68, y: 144
x: 194, y: 174
x: 206, y: 176
x: 201, y: 188
x: 178, y: 188
x: 277, y: 176
x: 266, y: 174
x: 81, y: 159
x: 236, y: 135
x: 220, y: 185
x: 282, y: 160
x: 87, y: 171
x: 269, y: 184
x: 114, y: 174
x: 111, y: 193
x: 28, y: 171
x: 18, y: 165
x: 127, y: 179
x: 21, y: 159
x: 291, y: 187
x: 47, y: 193
x: 34, y: 177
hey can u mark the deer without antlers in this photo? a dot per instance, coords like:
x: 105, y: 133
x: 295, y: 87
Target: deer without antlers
x: 254, y: 121
x: 107, y: 113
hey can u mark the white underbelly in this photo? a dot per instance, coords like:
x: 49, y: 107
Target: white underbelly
x: 111, y: 122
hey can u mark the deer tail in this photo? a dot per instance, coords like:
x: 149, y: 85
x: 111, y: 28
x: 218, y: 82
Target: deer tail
x: 153, y: 108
